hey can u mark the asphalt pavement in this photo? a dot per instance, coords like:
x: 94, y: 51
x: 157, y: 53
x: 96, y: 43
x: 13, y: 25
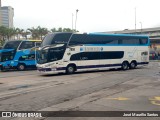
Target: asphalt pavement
x: 109, y: 90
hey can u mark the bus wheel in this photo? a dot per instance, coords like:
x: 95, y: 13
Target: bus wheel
x: 125, y: 65
x: 21, y: 67
x: 132, y: 65
x: 70, y: 69
x: 2, y: 69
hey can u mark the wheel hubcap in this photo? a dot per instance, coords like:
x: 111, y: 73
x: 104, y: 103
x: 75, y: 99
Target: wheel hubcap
x: 70, y: 69
x: 21, y: 67
x: 132, y: 65
x: 125, y: 66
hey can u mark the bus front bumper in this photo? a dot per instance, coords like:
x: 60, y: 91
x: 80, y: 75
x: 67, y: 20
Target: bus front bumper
x: 44, y: 69
x: 49, y: 70
x: 2, y: 67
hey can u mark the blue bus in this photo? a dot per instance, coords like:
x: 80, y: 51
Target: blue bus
x: 19, y: 54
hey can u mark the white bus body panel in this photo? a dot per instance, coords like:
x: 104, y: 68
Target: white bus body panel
x: 130, y: 53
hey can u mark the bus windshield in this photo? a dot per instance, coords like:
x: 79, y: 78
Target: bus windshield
x: 50, y: 55
x: 57, y: 38
x: 11, y: 45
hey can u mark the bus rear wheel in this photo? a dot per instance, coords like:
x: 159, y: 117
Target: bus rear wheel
x: 21, y: 67
x: 132, y: 65
x: 125, y: 65
x: 70, y: 69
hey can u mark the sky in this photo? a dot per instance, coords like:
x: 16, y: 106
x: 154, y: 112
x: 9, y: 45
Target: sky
x: 93, y: 15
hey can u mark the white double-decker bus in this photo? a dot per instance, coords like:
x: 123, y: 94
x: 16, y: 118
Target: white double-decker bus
x: 71, y: 52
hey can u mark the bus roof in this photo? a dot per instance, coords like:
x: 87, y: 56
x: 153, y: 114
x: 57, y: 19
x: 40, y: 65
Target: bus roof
x: 33, y: 40
x: 125, y: 35
x: 26, y: 40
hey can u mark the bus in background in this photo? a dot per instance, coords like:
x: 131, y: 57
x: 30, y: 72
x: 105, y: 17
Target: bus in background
x: 70, y: 52
x: 18, y: 54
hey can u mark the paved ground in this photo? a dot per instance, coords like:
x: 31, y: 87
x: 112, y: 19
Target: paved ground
x: 131, y: 90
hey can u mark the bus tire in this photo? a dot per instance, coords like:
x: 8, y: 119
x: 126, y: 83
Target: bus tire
x: 70, y: 69
x: 133, y: 65
x: 21, y: 67
x: 125, y: 65
x: 2, y: 69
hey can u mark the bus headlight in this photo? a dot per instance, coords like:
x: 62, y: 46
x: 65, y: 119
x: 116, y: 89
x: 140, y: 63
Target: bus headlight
x: 12, y: 62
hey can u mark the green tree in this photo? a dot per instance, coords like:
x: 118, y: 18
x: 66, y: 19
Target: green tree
x: 6, y: 33
x: 42, y: 32
x: 38, y: 33
x: 2, y: 35
x: 60, y: 29
x: 10, y: 32
x: 53, y: 30
x: 67, y: 30
x: 25, y: 33
x: 19, y: 32
x: 34, y: 32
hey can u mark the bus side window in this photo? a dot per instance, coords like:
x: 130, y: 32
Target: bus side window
x: 143, y: 41
x: 119, y: 41
x: 76, y: 56
x: 26, y: 45
x: 27, y: 57
x: 38, y: 44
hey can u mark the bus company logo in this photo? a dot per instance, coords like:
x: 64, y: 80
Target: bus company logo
x: 91, y: 49
x: 6, y: 114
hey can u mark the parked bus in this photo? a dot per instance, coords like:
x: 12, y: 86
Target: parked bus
x: 70, y: 52
x: 18, y: 54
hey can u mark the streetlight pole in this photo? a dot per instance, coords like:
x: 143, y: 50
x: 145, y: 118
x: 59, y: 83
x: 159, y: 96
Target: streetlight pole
x: 72, y: 21
x: 76, y: 19
x: 135, y: 19
x: 141, y: 26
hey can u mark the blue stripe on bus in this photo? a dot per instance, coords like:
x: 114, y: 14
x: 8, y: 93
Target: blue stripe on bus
x: 123, y: 35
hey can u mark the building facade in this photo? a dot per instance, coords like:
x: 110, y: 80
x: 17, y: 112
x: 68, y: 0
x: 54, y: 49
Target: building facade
x: 0, y: 14
x: 7, y: 14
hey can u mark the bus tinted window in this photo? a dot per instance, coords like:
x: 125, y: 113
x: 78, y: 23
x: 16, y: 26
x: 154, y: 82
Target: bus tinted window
x: 61, y: 38
x: 38, y: 44
x: 90, y: 56
x: 92, y: 39
x: 143, y: 41
x: 77, y: 39
x: 106, y: 39
x: 86, y: 56
x: 11, y: 45
x: 109, y: 40
x: 27, y: 45
x: 97, y: 55
x: 47, y: 40
x: 131, y: 41
x: 27, y: 57
x: 112, y: 55
x: 75, y: 57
